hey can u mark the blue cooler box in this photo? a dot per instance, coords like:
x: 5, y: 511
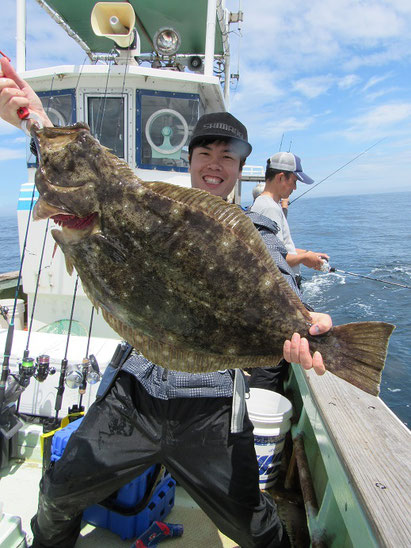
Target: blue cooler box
x: 121, y: 522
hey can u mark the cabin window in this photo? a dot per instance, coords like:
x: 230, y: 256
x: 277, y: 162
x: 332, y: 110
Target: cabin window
x: 60, y: 107
x: 164, y: 123
x: 106, y: 118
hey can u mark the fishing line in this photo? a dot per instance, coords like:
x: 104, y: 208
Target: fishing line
x: 80, y: 73
x: 339, y: 169
x: 281, y: 143
x: 102, y: 107
x: 332, y: 269
x: 50, y: 95
x: 64, y: 361
x: 10, y: 331
x: 123, y: 99
x: 28, y: 362
x: 37, y: 285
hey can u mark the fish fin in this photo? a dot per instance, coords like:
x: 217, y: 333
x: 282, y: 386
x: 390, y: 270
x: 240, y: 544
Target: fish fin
x: 357, y: 353
x: 232, y: 217
x: 69, y: 265
x: 111, y: 248
x: 90, y: 297
x: 59, y: 241
x: 124, y: 171
x: 181, y: 359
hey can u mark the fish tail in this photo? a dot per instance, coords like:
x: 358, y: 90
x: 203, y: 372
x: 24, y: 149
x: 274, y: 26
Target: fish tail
x: 357, y: 353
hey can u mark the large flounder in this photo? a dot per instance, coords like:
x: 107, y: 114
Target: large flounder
x: 179, y: 273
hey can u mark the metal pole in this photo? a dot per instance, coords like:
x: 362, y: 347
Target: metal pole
x: 210, y: 37
x: 21, y: 36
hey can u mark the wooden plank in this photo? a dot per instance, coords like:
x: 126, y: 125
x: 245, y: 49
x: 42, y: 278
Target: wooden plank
x: 9, y: 276
x: 375, y: 449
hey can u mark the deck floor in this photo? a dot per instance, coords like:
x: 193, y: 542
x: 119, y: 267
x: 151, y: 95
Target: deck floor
x: 19, y: 490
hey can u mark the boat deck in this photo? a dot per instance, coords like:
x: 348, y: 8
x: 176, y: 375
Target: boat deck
x: 358, y: 455
x: 19, y: 489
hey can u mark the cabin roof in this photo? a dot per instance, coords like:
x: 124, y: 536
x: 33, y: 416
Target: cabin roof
x: 188, y: 17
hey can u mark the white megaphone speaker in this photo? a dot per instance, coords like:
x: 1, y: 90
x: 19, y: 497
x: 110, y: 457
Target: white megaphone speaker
x: 115, y: 20
x: 195, y: 63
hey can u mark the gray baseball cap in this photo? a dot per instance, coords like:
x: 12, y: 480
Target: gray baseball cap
x: 287, y: 161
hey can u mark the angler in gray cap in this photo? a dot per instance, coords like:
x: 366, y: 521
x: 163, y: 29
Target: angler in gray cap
x: 283, y: 172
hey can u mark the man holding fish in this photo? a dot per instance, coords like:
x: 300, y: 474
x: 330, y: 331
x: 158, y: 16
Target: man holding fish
x: 195, y: 424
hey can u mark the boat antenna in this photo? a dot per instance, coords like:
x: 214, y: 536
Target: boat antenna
x: 339, y: 169
x: 64, y: 361
x: 10, y: 332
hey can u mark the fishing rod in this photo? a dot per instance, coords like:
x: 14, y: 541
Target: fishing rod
x: 90, y: 369
x: 64, y: 361
x: 27, y: 369
x: 10, y: 332
x: 78, y: 375
x: 86, y: 354
x: 337, y: 170
x: 332, y: 269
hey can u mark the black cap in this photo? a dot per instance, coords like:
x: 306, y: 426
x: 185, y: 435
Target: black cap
x: 220, y: 125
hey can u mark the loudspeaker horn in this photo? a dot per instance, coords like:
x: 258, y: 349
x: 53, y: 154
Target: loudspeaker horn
x: 114, y: 20
x: 195, y: 63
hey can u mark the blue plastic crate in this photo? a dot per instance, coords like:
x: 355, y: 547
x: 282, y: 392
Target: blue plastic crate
x: 132, y: 493
x: 61, y: 438
x: 128, y: 527
x: 160, y: 505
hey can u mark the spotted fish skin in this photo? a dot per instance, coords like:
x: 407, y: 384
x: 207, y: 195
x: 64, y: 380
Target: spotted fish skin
x: 179, y: 273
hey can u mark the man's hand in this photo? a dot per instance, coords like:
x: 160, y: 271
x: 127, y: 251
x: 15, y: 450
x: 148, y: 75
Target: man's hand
x: 298, y: 351
x: 16, y: 93
x: 314, y: 260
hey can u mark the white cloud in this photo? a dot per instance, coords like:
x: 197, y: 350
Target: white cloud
x: 304, y: 36
x: 384, y: 116
x: 11, y: 154
x: 313, y: 87
x: 7, y: 129
x: 348, y: 81
x: 374, y: 80
x: 377, y: 94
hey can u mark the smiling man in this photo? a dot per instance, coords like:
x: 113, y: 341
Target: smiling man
x: 217, y: 153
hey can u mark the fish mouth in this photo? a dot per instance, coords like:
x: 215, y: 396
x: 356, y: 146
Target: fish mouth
x: 43, y: 210
x: 72, y: 222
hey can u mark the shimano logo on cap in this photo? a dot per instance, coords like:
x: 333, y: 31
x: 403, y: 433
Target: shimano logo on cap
x: 224, y: 127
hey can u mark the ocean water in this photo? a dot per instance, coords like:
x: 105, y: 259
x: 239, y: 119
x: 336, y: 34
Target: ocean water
x: 368, y: 235
x: 9, y: 244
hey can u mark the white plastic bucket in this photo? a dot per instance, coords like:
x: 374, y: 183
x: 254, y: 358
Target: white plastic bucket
x: 18, y: 316
x: 270, y: 414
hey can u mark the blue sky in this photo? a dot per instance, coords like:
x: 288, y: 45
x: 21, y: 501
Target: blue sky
x: 327, y: 79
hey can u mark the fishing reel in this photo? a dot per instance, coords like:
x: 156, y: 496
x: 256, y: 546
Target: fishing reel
x: 40, y: 369
x: 4, y: 312
x: 78, y: 375
x: 28, y: 368
x: 325, y: 267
